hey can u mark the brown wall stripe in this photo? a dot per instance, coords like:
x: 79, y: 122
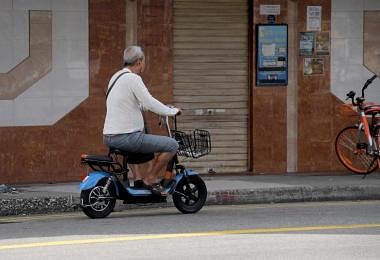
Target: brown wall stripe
x: 269, y: 140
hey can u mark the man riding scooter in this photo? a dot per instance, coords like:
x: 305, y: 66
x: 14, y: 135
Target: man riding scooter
x: 124, y: 123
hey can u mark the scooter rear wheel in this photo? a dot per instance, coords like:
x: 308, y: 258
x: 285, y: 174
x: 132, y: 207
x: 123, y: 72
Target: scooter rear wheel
x: 190, y: 194
x: 98, y: 204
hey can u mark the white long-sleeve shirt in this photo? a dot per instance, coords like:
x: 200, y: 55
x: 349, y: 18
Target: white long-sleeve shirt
x: 124, y: 101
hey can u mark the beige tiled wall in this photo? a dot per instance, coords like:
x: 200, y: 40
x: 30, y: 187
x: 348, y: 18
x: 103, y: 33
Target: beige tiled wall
x: 371, y: 41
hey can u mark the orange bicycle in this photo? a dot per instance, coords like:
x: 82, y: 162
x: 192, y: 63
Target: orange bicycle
x: 357, y: 146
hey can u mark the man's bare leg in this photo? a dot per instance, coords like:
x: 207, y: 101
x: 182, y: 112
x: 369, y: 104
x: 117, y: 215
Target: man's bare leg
x: 159, y: 166
x: 139, y: 171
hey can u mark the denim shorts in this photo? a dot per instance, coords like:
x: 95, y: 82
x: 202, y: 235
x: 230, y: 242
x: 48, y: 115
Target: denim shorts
x: 139, y: 142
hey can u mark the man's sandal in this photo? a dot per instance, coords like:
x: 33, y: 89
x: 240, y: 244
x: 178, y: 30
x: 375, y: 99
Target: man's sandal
x: 155, y: 188
x: 138, y: 184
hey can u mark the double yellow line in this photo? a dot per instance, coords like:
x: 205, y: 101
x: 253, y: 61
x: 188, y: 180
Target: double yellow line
x: 184, y: 235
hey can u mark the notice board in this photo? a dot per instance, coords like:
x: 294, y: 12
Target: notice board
x: 271, y: 54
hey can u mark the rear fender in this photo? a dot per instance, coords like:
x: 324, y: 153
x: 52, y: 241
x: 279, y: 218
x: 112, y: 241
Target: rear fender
x: 93, y: 178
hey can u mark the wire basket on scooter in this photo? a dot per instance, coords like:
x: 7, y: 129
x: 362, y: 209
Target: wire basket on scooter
x: 195, y: 145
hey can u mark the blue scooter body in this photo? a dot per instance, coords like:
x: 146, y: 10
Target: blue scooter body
x: 93, y: 178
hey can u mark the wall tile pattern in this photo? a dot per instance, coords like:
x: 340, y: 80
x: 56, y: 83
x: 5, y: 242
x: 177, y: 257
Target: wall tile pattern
x: 315, y: 105
x: 155, y: 29
x: 320, y: 117
x: 269, y: 106
x: 66, y: 85
x: 51, y: 154
x: 320, y: 98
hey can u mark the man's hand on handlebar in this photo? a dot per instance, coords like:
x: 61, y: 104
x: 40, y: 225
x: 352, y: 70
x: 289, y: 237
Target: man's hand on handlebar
x: 179, y: 109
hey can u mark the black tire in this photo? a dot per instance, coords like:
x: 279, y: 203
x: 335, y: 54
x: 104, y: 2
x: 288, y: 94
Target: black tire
x: 353, y: 156
x: 94, y: 207
x: 190, y: 194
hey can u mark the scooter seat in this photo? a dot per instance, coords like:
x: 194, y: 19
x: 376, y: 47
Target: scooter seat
x: 97, y: 159
x: 118, y: 151
x: 133, y: 158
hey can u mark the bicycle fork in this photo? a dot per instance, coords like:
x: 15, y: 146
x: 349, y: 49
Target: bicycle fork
x: 372, y: 146
x: 364, y: 124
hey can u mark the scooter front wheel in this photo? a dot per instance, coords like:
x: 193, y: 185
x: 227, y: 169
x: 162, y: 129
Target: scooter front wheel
x: 190, y: 194
x: 96, y: 203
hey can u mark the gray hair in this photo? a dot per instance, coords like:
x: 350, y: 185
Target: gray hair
x: 132, y: 54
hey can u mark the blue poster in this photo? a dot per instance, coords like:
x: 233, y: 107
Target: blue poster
x: 272, y: 54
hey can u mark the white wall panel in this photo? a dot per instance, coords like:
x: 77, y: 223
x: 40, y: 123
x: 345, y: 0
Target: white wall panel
x: 5, y: 4
x: 67, y: 84
x: 346, y: 5
x: 371, y: 5
x: 32, y: 4
x: 347, y: 69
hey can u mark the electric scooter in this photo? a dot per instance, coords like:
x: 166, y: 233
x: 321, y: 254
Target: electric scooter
x: 108, y: 180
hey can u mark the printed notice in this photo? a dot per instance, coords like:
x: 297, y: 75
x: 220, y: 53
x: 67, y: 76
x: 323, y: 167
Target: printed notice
x: 306, y: 43
x: 313, y: 66
x: 322, y: 43
x: 270, y: 9
x: 314, y: 16
x: 269, y: 49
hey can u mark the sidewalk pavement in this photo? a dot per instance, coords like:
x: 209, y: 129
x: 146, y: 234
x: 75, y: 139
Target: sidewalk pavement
x: 64, y: 197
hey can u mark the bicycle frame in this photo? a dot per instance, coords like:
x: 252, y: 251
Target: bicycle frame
x: 363, y: 125
x: 357, y: 146
x: 363, y: 112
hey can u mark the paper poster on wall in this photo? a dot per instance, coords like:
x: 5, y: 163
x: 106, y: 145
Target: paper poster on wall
x: 314, y: 17
x: 272, y: 54
x: 270, y: 9
x: 306, y: 43
x: 313, y: 66
x: 322, y: 43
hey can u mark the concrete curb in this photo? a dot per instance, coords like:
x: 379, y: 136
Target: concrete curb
x: 293, y: 194
x: 70, y: 203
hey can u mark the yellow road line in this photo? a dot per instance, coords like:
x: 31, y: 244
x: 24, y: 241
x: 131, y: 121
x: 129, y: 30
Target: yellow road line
x: 184, y: 235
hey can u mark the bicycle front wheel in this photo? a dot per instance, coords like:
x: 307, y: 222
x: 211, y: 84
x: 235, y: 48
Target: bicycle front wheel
x: 351, y: 147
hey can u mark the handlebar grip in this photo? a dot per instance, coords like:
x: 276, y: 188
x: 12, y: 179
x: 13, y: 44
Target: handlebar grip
x: 373, y: 78
x: 350, y: 94
x: 369, y: 81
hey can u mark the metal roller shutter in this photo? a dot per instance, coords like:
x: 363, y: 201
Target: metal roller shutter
x: 211, y: 78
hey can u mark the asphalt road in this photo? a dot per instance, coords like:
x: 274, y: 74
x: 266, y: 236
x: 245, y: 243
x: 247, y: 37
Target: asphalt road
x: 329, y: 230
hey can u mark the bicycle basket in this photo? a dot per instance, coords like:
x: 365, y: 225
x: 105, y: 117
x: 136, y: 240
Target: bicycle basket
x: 195, y: 144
